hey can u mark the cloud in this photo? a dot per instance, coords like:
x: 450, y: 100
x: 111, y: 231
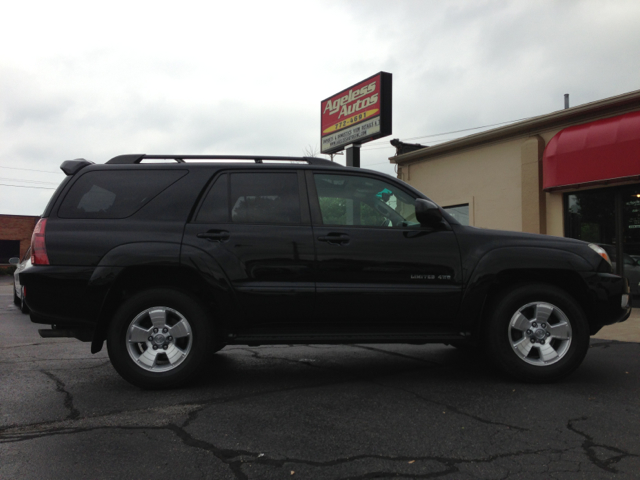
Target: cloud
x: 247, y: 77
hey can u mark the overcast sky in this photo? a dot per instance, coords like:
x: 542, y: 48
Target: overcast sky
x: 99, y: 79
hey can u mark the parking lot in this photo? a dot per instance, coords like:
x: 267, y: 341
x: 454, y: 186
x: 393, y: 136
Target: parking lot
x: 319, y: 412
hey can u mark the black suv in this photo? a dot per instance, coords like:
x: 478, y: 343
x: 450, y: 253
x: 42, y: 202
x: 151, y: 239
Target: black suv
x: 171, y: 257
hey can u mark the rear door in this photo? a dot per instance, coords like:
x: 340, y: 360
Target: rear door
x: 256, y: 226
x: 378, y: 269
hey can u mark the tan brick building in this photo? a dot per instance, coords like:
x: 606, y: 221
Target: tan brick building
x: 574, y: 173
x: 15, y: 235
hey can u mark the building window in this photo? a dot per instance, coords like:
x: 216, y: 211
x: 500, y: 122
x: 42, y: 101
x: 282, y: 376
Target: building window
x: 459, y: 212
x: 8, y: 249
x: 590, y: 216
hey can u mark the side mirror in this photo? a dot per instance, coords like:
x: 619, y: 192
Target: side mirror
x: 428, y: 213
x: 14, y: 261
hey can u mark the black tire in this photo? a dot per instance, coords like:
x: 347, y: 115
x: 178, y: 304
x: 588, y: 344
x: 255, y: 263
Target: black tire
x: 23, y: 305
x: 182, y: 360
x: 535, y: 319
x: 16, y: 298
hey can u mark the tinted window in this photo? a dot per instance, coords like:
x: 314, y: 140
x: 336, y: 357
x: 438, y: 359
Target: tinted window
x: 353, y: 200
x: 115, y: 194
x: 215, y: 208
x: 265, y: 198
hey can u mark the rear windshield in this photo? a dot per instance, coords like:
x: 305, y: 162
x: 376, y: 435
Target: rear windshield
x: 115, y: 194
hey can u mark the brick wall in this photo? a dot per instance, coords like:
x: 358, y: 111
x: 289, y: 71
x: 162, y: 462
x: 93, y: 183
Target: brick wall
x: 18, y: 227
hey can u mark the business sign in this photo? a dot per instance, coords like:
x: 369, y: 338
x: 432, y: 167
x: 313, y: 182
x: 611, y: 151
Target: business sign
x: 357, y: 114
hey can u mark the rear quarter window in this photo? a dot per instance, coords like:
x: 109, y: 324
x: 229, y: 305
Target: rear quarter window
x: 115, y: 194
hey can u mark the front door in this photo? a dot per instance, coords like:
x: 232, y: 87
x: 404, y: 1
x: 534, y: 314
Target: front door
x: 377, y: 268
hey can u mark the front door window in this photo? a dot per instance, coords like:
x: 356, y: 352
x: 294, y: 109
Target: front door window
x: 353, y: 200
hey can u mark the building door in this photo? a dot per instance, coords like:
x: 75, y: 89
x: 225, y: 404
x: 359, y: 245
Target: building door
x: 603, y: 216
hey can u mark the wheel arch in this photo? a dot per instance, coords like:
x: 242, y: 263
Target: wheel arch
x: 488, y: 292
x: 213, y: 293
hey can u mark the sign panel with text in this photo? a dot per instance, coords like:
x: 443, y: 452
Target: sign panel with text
x: 357, y: 114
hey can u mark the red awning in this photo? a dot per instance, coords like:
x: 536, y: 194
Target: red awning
x: 598, y: 151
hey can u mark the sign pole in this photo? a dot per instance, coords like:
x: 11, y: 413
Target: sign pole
x: 353, y: 155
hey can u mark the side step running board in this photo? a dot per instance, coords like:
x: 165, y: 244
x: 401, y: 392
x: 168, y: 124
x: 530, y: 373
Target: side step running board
x: 267, y: 339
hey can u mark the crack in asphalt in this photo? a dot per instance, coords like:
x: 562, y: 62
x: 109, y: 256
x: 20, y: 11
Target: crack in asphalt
x: 588, y: 445
x: 21, y: 345
x: 401, y: 355
x: 455, y: 409
x: 59, y: 360
x: 421, y: 397
x: 237, y: 458
x: 68, y: 398
x: 60, y: 387
x: 410, y: 392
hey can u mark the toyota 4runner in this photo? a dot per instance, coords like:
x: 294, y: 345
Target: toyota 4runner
x: 168, y: 258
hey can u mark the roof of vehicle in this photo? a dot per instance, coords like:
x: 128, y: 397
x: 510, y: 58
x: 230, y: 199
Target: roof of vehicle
x: 135, y: 158
x: 71, y: 167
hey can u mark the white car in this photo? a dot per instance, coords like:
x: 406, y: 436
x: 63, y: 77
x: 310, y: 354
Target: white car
x: 18, y: 290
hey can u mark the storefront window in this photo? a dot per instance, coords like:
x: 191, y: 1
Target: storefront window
x: 631, y: 219
x: 590, y: 216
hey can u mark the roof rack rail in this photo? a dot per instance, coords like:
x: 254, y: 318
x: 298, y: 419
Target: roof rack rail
x: 134, y: 158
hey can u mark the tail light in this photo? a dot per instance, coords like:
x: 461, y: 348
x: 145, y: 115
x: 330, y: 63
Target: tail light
x: 38, y: 246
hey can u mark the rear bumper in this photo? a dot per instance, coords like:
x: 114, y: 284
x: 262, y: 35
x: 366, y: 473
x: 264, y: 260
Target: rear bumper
x: 60, y: 296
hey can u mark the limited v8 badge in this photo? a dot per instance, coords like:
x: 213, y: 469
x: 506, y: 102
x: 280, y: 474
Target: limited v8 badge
x: 430, y: 277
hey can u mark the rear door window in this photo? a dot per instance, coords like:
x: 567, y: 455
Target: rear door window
x: 115, y: 194
x: 268, y: 197
x: 215, y: 207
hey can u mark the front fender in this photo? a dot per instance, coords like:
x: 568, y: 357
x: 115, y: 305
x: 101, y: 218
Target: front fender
x: 505, y: 266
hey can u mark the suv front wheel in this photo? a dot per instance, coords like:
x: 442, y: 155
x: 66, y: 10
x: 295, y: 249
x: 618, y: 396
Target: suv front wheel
x: 159, y: 338
x: 537, y: 333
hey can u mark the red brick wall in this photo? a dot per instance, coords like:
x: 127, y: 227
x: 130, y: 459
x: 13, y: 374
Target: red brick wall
x: 18, y: 227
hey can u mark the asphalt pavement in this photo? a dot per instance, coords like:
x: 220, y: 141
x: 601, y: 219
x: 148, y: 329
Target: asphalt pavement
x: 317, y: 412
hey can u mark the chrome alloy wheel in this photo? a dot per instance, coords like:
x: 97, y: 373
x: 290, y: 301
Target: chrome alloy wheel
x: 540, y: 333
x: 159, y: 339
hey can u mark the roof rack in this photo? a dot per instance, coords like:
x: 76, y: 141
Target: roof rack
x: 135, y: 158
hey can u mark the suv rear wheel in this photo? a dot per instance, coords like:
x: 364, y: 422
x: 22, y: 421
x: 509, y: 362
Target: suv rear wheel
x: 159, y: 338
x: 538, y: 333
